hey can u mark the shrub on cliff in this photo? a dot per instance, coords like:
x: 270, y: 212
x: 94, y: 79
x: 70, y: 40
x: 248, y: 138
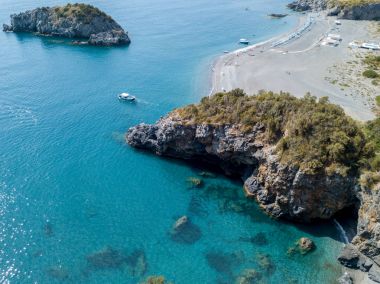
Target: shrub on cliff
x: 370, y: 74
x: 312, y: 134
x: 82, y: 12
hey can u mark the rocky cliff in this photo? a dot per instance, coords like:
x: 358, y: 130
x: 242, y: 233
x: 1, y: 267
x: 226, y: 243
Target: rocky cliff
x: 71, y: 21
x: 364, y: 251
x: 282, y: 189
x: 359, y: 10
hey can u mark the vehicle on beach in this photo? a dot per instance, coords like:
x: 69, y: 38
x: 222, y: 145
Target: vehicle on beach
x: 126, y: 97
x: 244, y: 41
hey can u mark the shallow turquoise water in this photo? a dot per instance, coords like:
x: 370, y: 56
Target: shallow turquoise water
x: 69, y: 186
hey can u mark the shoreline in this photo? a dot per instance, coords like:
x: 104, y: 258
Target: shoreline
x: 218, y: 60
x: 298, y: 66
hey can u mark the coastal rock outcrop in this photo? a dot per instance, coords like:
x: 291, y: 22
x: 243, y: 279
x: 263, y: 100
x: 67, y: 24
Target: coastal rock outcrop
x: 79, y: 21
x: 281, y: 189
x: 362, y: 10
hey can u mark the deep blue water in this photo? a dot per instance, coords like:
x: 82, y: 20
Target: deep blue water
x: 70, y: 187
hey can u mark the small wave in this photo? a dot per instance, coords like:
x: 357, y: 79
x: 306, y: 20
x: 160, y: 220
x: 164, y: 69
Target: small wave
x: 16, y: 116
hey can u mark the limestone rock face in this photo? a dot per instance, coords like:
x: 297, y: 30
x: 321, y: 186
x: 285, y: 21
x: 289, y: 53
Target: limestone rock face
x: 281, y: 190
x: 367, y: 240
x: 70, y: 21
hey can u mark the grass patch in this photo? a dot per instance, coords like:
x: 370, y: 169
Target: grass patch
x: 370, y: 73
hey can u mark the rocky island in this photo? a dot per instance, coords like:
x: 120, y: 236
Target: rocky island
x: 300, y: 159
x: 79, y: 21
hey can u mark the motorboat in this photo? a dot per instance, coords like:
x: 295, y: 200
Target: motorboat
x: 244, y: 41
x: 126, y: 97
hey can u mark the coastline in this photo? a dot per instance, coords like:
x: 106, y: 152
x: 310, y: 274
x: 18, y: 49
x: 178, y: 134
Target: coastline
x: 299, y: 66
x: 218, y: 61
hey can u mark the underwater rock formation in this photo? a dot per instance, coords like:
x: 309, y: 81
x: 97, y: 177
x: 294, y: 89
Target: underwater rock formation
x: 107, y: 258
x: 249, y: 276
x: 71, y: 21
x: 184, y: 231
x: 305, y: 245
x: 58, y: 272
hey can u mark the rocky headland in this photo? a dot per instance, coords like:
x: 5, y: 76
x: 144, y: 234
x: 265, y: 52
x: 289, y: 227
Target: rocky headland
x: 300, y: 159
x: 77, y: 21
x: 270, y: 143
x: 343, y: 9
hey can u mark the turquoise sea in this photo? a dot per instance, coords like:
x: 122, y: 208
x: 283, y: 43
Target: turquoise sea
x: 70, y: 187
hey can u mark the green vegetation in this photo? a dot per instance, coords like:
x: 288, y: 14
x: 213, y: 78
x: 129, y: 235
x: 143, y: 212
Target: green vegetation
x: 370, y: 74
x: 83, y: 12
x: 371, y: 175
x: 372, y: 61
x: 311, y: 134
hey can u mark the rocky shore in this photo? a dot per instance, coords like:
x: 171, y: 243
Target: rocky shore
x: 281, y: 189
x: 79, y: 21
x: 362, y: 10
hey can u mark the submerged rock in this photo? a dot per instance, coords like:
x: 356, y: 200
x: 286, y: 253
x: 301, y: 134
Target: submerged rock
x: 195, y: 182
x: 107, y: 258
x: 58, y: 272
x: 220, y: 261
x: 70, y: 21
x: 207, y: 175
x: 48, y: 229
x: 155, y: 280
x: 277, y: 16
x: 184, y: 231
x: 249, y: 276
x: 306, y: 245
x: 259, y: 239
x: 137, y: 264
x: 265, y: 263
x: 303, y: 246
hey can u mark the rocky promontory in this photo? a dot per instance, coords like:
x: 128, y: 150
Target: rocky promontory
x: 298, y: 158
x: 79, y: 21
x: 343, y: 9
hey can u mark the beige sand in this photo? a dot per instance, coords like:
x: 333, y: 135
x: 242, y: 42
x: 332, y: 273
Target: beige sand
x: 302, y: 66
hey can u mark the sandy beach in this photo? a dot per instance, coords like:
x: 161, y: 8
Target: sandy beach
x: 304, y: 65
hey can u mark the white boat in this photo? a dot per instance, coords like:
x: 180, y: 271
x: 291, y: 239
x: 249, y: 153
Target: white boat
x: 126, y: 97
x: 338, y: 23
x: 244, y: 41
x: 372, y: 46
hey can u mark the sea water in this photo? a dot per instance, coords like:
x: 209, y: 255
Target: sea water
x: 70, y: 186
